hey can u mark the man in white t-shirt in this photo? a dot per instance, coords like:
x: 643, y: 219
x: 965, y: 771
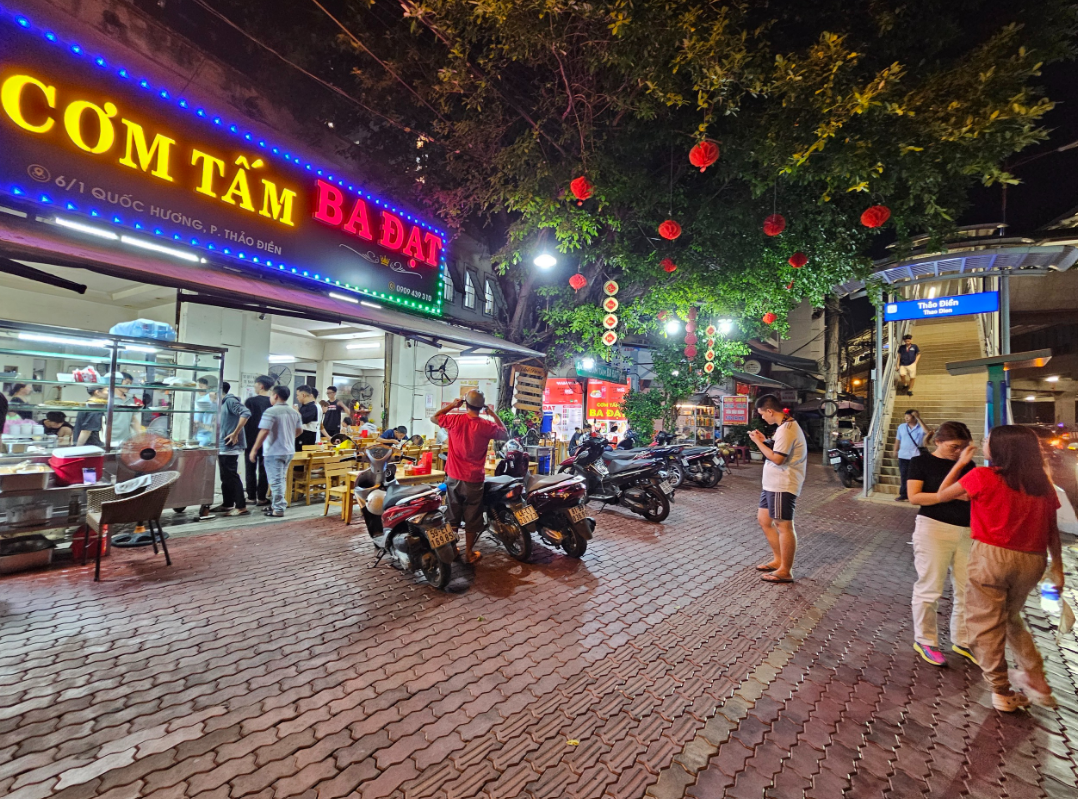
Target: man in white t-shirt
x: 784, y: 475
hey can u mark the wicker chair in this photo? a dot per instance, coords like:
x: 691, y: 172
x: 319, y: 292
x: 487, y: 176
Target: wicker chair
x: 105, y: 508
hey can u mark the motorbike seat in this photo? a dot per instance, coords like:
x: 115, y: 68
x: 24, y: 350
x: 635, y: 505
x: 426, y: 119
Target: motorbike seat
x: 537, y: 481
x: 627, y: 464
x: 495, y: 484
x: 396, y: 493
x: 620, y: 455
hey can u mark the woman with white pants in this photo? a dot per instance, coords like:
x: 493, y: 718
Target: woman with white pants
x: 941, y: 543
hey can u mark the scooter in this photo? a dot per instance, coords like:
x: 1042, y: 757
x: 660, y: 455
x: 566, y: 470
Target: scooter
x: 704, y: 466
x: 629, y: 478
x: 406, y: 522
x: 508, y: 517
x: 847, y: 458
x: 563, y: 521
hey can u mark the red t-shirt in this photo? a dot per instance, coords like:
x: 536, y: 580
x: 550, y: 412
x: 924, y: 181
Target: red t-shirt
x: 468, y: 439
x: 1005, y: 518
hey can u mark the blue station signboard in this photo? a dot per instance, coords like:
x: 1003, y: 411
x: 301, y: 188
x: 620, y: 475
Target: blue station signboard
x: 937, y: 307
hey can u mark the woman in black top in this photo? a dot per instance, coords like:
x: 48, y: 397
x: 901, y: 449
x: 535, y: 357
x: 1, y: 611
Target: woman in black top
x: 941, y: 541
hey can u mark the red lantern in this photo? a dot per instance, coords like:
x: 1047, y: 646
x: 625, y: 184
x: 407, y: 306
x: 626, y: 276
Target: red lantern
x: 875, y: 216
x: 578, y: 281
x: 581, y: 189
x: 797, y: 260
x: 667, y: 265
x: 704, y: 154
x: 774, y: 224
x: 670, y: 229
x: 690, y: 327
x: 692, y: 315
x: 690, y: 351
x: 691, y: 338
x: 769, y: 318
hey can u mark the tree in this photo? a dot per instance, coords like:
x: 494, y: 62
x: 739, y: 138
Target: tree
x: 820, y: 108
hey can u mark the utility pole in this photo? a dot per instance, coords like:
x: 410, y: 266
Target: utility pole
x: 832, y: 316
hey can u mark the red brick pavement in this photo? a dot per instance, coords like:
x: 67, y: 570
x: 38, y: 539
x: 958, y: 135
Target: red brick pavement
x: 273, y: 662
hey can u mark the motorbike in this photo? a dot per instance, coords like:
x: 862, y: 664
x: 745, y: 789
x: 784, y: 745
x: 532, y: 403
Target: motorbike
x: 548, y: 506
x: 629, y: 478
x: 704, y: 466
x: 847, y: 458
x: 406, y: 522
x: 509, y: 518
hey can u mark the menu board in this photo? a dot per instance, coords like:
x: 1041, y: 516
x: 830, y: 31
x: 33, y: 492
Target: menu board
x: 564, y: 399
x: 735, y: 410
x: 604, y: 400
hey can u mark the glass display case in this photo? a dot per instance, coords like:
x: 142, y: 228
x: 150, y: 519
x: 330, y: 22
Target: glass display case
x: 696, y: 424
x: 151, y: 405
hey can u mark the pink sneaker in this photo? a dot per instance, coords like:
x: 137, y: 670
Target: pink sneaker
x: 930, y: 654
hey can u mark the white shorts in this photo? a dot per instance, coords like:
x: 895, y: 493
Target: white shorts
x: 908, y: 371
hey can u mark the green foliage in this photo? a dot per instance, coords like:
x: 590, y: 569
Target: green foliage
x: 642, y: 408
x: 738, y: 434
x: 518, y: 422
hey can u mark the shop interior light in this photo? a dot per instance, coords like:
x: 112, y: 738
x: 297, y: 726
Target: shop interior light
x: 1031, y: 398
x: 589, y: 363
x: 374, y: 305
x: 89, y: 229
x: 149, y: 245
x: 672, y: 327
x: 363, y: 345
x: 97, y: 343
x: 476, y: 360
x: 344, y: 297
x: 282, y: 359
x: 139, y: 348
x: 1052, y: 379
x: 545, y: 260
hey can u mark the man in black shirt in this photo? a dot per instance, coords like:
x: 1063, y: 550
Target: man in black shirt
x: 310, y: 414
x: 88, y: 423
x: 334, y: 413
x: 257, y: 483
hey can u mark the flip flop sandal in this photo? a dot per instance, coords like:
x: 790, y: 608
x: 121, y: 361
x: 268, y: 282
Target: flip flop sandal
x: 123, y: 540
x: 765, y: 568
x: 476, y: 557
x: 770, y: 578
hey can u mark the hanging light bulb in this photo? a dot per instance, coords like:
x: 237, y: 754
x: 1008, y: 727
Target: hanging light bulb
x: 672, y: 327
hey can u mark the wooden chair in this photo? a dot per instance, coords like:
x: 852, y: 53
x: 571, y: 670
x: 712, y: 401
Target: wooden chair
x: 315, y: 477
x: 105, y: 507
x: 312, y: 447
x: 297, y: 475
x: 339, y: 489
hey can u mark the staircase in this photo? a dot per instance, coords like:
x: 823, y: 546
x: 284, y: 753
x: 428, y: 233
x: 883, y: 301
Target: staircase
x: 938, y: 396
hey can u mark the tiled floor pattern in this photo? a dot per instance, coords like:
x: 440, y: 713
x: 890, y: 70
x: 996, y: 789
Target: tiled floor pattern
x: 273, y: 661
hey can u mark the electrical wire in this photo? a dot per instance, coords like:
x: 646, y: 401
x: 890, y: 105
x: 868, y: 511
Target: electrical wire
x: 298, y: 68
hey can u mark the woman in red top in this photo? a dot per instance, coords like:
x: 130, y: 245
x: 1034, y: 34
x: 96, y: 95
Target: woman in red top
x: 1013, y: 517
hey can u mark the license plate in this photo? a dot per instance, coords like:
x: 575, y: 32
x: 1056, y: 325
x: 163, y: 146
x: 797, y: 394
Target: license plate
x: 578, y: 513
x: 684, y: 461
x: 526, y: 514
x: 666, y: 487
x: 440, y: 536
x: 601, y: 467
x: 836, y: 460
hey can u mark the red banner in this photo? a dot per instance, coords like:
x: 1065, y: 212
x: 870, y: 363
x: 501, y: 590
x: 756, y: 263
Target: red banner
x: 562, y: 391
x: 604, y: 399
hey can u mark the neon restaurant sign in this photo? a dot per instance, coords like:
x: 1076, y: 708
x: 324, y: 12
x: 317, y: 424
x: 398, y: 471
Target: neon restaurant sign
x: 106, y: 154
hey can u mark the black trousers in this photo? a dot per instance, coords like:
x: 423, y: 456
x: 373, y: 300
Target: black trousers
x: 232, y: 495
x: 903, y: 472
x: 257, y: 483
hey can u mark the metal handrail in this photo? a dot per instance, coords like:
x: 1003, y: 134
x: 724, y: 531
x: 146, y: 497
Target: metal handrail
x: 881, y: 412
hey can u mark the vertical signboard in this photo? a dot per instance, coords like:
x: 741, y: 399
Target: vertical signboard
x: 735, y: 410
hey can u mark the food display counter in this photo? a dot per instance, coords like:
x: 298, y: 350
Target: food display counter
x: 148, y: 405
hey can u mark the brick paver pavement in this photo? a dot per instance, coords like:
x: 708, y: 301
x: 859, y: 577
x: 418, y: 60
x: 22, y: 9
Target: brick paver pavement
x: 273, y: 662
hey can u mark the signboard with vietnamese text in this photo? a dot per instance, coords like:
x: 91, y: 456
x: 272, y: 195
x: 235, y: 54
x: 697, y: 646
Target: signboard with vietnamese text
x: 604, y: 399
x: 735, y: 410
x: 563, y: 398
x: 937, y: 307
x: 108, y: 155
x: 600, y: 370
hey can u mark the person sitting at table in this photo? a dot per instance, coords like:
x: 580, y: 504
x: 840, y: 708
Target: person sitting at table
x: 393, y: 435
x: 55, y: 424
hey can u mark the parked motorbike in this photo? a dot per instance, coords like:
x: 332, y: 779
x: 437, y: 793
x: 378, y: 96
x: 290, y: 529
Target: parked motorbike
x: 509, y: 518
x: 704, y: 466
x: 847, y: 459
x: 629, y: 478
x: 406, y: 522
x: 558, y: 500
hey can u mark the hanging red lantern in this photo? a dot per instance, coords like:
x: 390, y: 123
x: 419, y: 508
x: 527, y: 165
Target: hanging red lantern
x: 578, y: 281
x: 661, y: 316
x: 581, y: 189
x: 692, y: 315
x: 875, y: 216
x: 690, y: 327
x: 797, y: 260
x: 774, y: 224
x: 667, y: 265
x: 704, y: 154
x: 690, y: 351
x: 690, y: 338
x: 769, y: 318
x: 670, y: 229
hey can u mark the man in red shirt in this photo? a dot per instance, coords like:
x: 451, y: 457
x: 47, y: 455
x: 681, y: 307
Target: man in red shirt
x: 469, y: 434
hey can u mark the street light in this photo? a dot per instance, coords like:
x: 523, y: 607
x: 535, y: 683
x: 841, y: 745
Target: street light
x: 545, y: 260
x: 725, y: 326
x: 672, y: 327
x: 588, y: 363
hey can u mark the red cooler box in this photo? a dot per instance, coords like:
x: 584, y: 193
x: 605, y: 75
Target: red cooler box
x: 69, y: 462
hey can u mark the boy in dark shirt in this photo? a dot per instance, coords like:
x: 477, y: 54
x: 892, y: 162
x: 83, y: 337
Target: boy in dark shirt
x: 257, y: 483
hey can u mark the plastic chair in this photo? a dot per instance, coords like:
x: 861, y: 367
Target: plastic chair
x: 339, y: 490
x: 104, y: 508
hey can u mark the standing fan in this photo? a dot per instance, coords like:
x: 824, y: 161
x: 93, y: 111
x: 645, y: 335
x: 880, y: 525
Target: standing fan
x: 147, y: 453
x: 282, y: 375
x: 441, y: 370
x: 361, y: 392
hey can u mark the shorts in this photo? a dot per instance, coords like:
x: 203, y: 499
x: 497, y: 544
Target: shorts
x: 780, y: 504
x: 908, y: 371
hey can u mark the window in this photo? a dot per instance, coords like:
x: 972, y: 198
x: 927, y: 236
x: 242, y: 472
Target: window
x: 488, y: 300
x: 469, y: 290
x: 447, y: 291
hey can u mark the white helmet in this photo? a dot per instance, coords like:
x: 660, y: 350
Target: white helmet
x: 375, y: 501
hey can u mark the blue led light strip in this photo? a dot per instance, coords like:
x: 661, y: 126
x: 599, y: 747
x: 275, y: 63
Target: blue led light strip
x: 163, y: 95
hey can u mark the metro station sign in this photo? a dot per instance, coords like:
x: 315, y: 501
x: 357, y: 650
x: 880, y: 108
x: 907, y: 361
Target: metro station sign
x: 99, y: 150
x: 940, y: 307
